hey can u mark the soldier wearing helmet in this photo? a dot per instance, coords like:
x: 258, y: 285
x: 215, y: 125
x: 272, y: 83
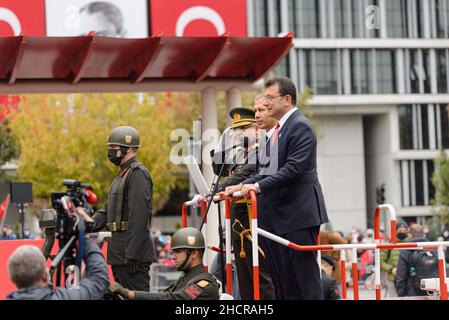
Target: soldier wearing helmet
x: 127, y: 212
x: 194, y: 284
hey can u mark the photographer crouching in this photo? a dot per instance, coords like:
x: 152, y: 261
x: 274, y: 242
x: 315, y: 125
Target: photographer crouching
x: 27, y: 270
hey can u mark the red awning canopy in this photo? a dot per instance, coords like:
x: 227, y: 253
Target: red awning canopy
x: 91, y: 59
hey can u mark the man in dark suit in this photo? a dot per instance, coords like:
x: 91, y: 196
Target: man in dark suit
x: 290, y: 200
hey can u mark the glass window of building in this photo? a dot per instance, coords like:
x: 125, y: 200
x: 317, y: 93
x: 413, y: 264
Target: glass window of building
x: 423, y: 120
x: 308, y: 18
x: 441, y: 17
x: 441, y: 60
x: 430, y: 170
x: 341, y: 12
x: 421, y: 20
x: 423, y: 127
x: 419, y: 71
x: 416, y: 182
x: 427, y: 68
x: 325, y: 77
x: 396, y: 11
x: 405, y: 127
x: 261, y: 18
x: 358, y: 19
x: 444, y: 120
x: 385, y: 71
x: 361, y: 71
x: 293, y: 17
x: 307, y: 72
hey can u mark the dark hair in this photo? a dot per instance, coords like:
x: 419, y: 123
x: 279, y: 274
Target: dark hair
x: 286, y: 87
x: 111, y: 11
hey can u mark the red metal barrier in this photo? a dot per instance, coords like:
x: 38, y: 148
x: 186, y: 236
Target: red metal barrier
x: 342, y: 247
x: 228, y: 247
x: 343, y: 273
x: 389, y: 208
x: 442, y: 273
x: 255, y: 245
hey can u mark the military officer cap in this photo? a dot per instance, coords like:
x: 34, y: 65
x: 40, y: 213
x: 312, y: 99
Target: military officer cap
x: 188, y: 238
x: 242, y: 117
x: 125, y: 136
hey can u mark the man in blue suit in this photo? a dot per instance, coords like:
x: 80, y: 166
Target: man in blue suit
x: 290, y: 199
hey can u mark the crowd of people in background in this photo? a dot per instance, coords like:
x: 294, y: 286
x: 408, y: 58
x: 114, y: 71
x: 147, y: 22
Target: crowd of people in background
x: 8, y: 233
x: 162, y: 243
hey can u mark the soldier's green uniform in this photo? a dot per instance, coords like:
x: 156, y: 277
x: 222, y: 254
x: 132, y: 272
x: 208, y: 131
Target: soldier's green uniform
x: 243, y: 168
x: 127, y: 214
x: 194, y: 284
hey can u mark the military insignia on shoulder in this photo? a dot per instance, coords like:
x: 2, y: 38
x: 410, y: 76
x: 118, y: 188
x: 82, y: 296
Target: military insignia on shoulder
x: 202, y: 283
x: 192, y: 292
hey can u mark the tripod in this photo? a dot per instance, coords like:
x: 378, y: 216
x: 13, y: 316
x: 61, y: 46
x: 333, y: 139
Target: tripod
x: 21, y: 209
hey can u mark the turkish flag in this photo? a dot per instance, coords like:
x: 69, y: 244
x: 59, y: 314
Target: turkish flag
x: 22, y: 17
x: 4, y: 206
x: 198, y: 17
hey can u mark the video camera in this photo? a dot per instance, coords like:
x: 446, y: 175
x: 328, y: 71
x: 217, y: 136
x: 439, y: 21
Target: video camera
x: 63, y: 223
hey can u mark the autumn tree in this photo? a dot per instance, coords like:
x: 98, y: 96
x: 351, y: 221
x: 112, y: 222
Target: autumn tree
x: 64, y: 136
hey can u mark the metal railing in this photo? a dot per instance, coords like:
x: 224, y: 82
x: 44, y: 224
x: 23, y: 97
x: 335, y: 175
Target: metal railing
x: 377, y: 246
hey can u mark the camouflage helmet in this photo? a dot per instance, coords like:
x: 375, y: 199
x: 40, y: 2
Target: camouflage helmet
x: 124, y: 136
x: 188, y: 238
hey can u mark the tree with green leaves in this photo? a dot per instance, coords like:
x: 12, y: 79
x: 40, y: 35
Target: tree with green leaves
x: 440, y: 180
x: 9, y: 148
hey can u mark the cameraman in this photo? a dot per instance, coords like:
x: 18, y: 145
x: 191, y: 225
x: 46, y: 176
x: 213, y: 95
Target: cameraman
x: 27, y: 270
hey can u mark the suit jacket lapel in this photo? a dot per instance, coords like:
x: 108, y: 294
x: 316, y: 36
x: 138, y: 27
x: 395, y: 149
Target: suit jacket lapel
x: 285, y: 127
x: 283, y: 132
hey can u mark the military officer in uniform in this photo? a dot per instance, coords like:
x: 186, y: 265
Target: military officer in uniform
x: 127, y: 213
x: 194, y: 284
x: 243, y: 167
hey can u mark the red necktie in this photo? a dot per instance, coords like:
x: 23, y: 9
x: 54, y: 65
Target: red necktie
x: 274, y: 136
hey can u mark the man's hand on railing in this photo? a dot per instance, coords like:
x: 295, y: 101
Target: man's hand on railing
x: 249, y: 187
x: 231, y: 189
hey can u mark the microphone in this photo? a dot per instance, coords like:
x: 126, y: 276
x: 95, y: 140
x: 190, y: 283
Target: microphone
x: 218, y: 158
x: 242, y: 144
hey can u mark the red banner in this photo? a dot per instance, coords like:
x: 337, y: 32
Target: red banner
x: 22, y: 17
x: 198, y: 17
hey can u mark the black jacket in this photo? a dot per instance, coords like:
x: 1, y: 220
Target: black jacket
x: 134, y: 243
x: 92, y: 287
x: 330, y: 288
x: 404, y: 281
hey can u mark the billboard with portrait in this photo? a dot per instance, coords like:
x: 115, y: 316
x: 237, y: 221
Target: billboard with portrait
x: 111, y: 18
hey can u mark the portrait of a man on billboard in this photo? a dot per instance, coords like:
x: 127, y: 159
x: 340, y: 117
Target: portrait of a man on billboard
x: 112, y: 18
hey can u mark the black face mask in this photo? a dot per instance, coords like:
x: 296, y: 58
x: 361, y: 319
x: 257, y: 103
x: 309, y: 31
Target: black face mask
x: 112, y: 156
x: 401, y: 235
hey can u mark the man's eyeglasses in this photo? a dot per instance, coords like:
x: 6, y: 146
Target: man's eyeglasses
x: 271, y: 98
